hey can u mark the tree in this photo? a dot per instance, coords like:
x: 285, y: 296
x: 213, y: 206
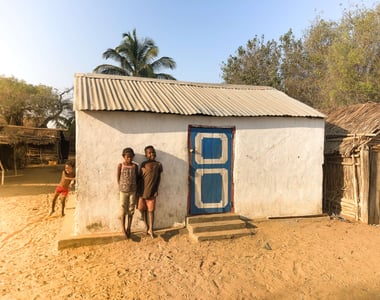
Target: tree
x: 35, y: 106
x: 316, y: 43
x: 136, y: 57
x: 14, y: 97
x: 257, y: 64
x: 53, y: 107
x: 354, y: 59
x: 334, y: 63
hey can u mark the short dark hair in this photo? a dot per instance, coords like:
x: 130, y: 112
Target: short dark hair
x: 149, y: 147
x: 128, y: 151
x: 69, y: 163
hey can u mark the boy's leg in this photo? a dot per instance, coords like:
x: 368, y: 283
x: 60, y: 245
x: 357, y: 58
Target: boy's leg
x: 141, y: 206
x: 151, y: 203
x: 123, y: 211
x: 131, y: 211
x: 129, y: 225
x: 123, y: 224
x: 151, y: 221
x: 53, y: 203
x: 145, y: 217
x: 63, y: 203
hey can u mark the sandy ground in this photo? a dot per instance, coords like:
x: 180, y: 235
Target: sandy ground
x: 318, y: 258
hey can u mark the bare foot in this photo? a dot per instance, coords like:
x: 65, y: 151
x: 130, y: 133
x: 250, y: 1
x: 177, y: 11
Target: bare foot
x: 51, y: 212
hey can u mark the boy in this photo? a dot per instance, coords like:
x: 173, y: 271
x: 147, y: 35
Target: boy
x: 127, y: 174
x: 150, y: 174
x: 67, y: 179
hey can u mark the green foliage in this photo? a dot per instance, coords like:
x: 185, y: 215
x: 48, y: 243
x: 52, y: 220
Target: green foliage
x: 335, y: 63
x: 15, y: 96
x: 136, y: 57
x: 257, y: 64
x: 35, y: 106
x: 354, y: 59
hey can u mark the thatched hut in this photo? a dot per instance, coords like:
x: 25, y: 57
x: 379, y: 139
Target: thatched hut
x: 352, y: 162
x: 22, y: 146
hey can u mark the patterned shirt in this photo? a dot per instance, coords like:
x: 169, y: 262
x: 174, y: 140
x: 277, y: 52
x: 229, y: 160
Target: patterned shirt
x: 128, y: 178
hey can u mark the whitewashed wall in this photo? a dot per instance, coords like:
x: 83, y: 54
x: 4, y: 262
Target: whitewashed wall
x: 277, y: 165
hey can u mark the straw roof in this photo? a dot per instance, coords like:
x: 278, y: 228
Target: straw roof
x: 357, y: 119
x: 11, y: 134
x: 350, y: 127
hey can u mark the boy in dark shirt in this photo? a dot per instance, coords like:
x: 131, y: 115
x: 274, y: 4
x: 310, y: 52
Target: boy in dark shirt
x: 150, y: 174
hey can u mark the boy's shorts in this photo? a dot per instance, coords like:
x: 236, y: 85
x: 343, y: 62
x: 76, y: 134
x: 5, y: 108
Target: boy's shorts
x: 127, y: 202
x: 62, y: 190
x: 147, y: 204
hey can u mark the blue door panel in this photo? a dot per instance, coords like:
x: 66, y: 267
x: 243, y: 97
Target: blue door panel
x: 210, y: 170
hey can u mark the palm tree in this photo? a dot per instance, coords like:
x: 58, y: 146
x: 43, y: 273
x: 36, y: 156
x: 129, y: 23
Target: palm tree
x: 136, y: 58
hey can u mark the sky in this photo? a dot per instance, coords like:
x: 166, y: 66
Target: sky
x: 48, y: 41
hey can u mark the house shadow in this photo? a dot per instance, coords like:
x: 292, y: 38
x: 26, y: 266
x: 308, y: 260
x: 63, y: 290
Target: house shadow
x: 165, y: 234
x: 168, y: 234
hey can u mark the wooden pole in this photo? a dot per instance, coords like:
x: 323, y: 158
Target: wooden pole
x: 15, y: 159
x: 2, y: 173
x: 364, y: 184
x: 355, y: 184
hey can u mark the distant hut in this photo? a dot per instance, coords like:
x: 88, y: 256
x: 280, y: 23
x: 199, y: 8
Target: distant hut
x: 352, y: 162
x: 22, y: 146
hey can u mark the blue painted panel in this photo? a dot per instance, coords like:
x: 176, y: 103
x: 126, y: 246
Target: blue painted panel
x: 212, y: 148
x: 213, y: 194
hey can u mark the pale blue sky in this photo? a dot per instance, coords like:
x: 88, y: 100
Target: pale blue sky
x: 48, y: 41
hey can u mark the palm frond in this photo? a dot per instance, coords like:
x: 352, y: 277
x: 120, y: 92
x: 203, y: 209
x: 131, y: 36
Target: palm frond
x: 111, y: 70
x: 164, y: 62
x: 164, y: 76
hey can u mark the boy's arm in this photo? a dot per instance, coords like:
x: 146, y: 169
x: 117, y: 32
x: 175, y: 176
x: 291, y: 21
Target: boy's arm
x: 137, y: 171
x: 118, y: 173
x: 158, y: 180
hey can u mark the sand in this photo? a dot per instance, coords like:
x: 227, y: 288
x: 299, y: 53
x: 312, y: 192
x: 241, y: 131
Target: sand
x: 300, y: 258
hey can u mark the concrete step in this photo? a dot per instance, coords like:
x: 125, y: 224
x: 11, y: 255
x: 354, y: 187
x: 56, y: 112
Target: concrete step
x: 212, y: 218
x: 218, y: 226
x: 220, y: 235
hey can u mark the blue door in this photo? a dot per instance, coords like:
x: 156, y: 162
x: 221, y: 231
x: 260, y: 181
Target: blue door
x: 210, y: 170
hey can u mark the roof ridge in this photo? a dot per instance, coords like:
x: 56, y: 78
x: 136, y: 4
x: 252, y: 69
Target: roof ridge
x: 176, y: 82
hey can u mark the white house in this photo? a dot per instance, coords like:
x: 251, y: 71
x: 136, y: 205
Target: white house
x: 224, y: 148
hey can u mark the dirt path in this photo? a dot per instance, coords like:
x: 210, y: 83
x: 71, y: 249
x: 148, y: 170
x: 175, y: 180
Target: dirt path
x: 286, y: 259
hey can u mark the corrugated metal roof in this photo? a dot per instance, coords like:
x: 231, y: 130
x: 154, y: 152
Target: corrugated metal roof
x: 108, y: 92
